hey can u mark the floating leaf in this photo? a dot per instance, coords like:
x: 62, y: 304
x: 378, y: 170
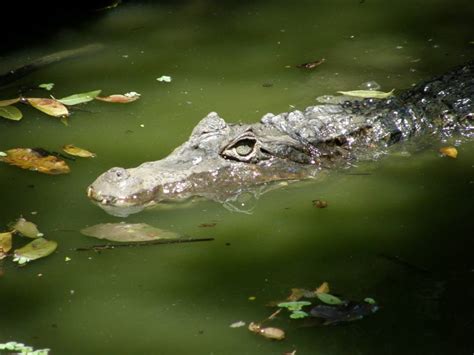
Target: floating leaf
x: 320, y: 203
x: 323, y: 288
x: 164, y: 78
x: 237, y: 324
x: 329, y: 299
x: 449, y: 152
x: 368, y: 94
x: 9, y: 102
x: 26, y: 228
x: 127, y: 232
x: 79, y: 98
x: 50, y: 107
x: 312, y: 65
x: 5, y: 244
x: 369, y: 300
x: 78, y: 152
x: 11, y: 113
x: 268, y: 332
x: 38, y: 248
x: 121, y: 99
x: 36, y: 160
x: 20, y: 348
x: 298, y: 315
x: 46, y: 86
x: 294, y: 306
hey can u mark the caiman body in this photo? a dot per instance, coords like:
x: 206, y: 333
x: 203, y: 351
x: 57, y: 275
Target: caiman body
x: 222, y: 160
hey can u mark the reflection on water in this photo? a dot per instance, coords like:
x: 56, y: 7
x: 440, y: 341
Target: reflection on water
x: 181, y: 299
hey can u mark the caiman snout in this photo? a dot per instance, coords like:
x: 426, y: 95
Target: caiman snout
x: 116, y: 187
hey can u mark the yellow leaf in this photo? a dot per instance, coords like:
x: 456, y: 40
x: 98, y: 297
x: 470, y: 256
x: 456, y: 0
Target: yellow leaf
x: 368, y: 94
x: 78, y: 152
x: 36, y: 160
x: 50, y: 107
x: 323, y: 288
x: 449, y: 152
x: 5, y: 244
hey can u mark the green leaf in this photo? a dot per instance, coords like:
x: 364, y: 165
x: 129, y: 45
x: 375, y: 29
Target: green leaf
x: 11, y: 113
x: 368, y: 94
x: 38, y: 248
x: 79, y: 98
x: 46, y: 86
x: 298, y: 315
x: 50, y: 107
x: 369, y: 300
x: 294, y: 306
x: 9, y: 102
x: 329, y: 299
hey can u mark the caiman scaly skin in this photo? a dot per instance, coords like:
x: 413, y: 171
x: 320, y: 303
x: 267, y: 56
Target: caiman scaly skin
x: 221, y: 160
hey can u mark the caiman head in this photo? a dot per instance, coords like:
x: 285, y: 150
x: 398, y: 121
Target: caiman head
x: 219, y: 161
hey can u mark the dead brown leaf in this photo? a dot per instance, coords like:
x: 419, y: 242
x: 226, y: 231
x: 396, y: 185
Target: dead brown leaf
x: 36, y: 160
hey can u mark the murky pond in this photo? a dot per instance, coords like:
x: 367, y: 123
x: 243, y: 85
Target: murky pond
x: 398, y: 230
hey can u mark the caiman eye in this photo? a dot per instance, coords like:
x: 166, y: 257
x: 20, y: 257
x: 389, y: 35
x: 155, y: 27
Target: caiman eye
x: 244, y: 149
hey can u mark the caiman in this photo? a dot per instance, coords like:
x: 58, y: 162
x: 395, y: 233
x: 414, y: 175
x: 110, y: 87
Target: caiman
x: 222, y: 160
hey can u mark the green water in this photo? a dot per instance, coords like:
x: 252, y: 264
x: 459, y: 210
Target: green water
x: 181, y: 299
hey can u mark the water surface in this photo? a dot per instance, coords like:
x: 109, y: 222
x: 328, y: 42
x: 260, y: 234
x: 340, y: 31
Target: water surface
x: 233, y: 58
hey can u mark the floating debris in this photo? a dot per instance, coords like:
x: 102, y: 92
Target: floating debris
x: 164, y: 78
x: 368, y: 94
x: 26, y: 228
x: 450, y: 152
x: 78, y: 152
x: 36, y: 160
x: 267, y: 332
x: 127, y: 232
x: 320, y: 203
x: 311, y: 65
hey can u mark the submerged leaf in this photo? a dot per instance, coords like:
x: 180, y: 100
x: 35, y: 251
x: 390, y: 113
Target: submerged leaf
x: 46, y: 86
x: 127, y: 232
x: 79, y: 98
x: 78, y: 152
x: 50, y: 107
x: 5, y: 244
x: 9, y: 102
x: 121, y: 99
x: 35, y: 160
x: 26, y: 228
x: 368, y: 94
x: 11, y: 113
x: 449, y: 152
x: 329, y: 299
x: 38, y: 248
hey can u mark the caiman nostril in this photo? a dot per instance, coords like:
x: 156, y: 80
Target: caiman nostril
x: 118, y: 174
